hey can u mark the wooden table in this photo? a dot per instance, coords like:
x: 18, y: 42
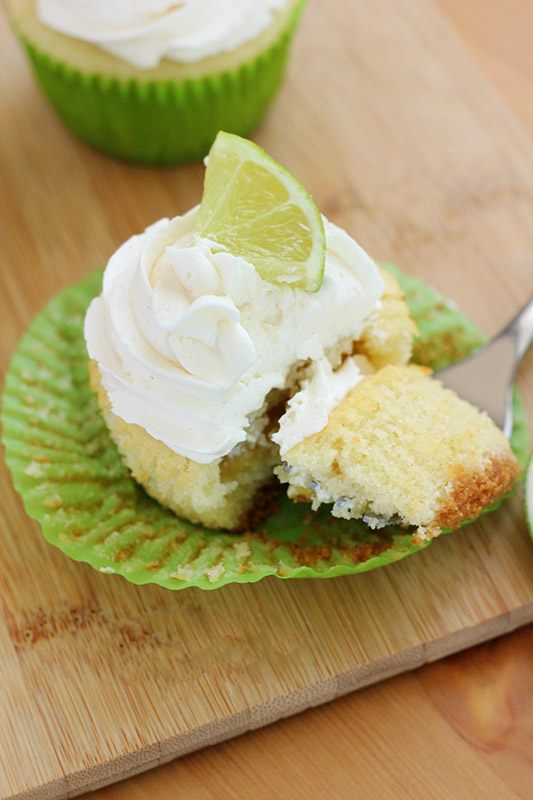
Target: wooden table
x: 462, y: 727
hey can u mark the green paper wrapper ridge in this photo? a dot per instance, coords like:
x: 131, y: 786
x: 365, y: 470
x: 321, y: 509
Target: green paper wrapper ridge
x: 72, y: 480
x: 163, y: 122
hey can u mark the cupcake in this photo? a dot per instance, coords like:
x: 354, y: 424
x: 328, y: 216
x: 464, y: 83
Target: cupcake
x: 154, y: 81
x: 211, y: 369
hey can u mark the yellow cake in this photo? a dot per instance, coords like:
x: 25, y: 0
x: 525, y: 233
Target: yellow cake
x: 219, y: 494
x: 387, y: 337
x: 401, y: 447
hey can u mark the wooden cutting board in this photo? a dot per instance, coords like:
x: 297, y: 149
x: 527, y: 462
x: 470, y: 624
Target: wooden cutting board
x: 388, y: 123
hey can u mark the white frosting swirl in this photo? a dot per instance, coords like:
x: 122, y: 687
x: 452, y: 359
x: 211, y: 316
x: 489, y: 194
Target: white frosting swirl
x: 142, y: 32
x: 190, y: 339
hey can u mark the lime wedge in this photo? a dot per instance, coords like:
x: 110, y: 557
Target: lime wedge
x: 528, y: 495
x: 254, y: 208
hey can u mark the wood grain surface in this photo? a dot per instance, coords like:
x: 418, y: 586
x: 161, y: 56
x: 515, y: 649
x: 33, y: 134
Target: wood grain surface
x: 394, y: 129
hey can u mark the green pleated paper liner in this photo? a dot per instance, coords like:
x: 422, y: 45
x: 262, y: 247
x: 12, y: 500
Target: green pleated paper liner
x: 72, y: 480
x: 162, y: 122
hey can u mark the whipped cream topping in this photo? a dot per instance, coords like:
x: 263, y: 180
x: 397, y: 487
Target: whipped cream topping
x: 142, y: 32
x: 189, y: 339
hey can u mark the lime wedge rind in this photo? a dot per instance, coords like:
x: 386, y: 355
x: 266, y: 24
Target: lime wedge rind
x: 256, y: 209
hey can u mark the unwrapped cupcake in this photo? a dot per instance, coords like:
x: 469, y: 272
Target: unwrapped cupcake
x: 153, y: 81
x: 251, y: 337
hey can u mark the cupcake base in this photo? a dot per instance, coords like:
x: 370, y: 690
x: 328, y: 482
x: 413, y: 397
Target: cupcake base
x: 219, y: 494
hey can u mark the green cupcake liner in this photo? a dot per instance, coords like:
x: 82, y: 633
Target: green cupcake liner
x: 162, y: 122
x: 72, y: 480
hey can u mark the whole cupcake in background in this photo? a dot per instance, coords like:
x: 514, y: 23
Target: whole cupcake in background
x: 153, y: 81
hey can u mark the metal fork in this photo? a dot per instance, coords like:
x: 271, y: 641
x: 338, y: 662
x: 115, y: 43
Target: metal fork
x: 485, y: 378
